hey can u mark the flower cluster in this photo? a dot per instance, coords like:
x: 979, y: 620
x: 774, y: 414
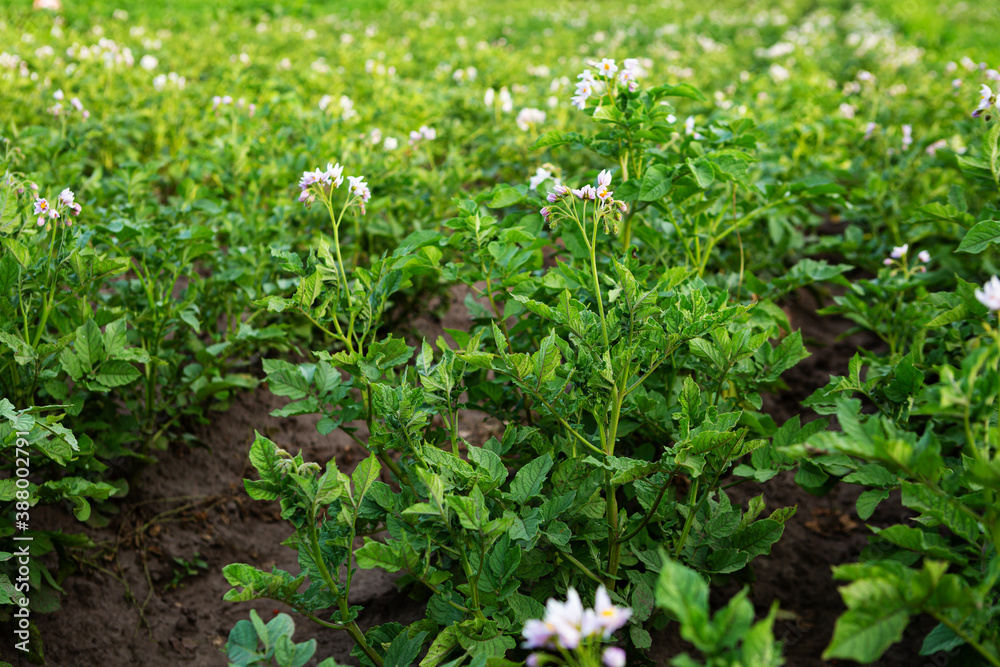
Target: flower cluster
x: 424, y: 133
x: 899, y: 254
x: 57, y: 109
x: 65, y: 203
x: 607, y: 78
x: 227, y: 100
x: 388, y: 143
x: 160, y: 81
x: 542, y: 174
x: 567, y: 626
x: 988, y: 100
x: 322, y: 182
x: 563, y: 200
x: 506, y: 102
x: 528, y: 117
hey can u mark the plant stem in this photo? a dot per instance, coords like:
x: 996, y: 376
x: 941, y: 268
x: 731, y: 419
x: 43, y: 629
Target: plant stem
x: 351, y: 627
x: 992, y: 659
x: 650, y: 513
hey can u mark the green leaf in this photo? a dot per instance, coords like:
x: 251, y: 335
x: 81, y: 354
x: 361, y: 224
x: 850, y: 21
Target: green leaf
x: 869, y: 500
x: 491, y: 464
x: 364, y: 476
x: 680, y: 90
x: 379, y: 555
x: 116, y: 373
x: 980, y: 237
x: 404, y: 650
x: 442, y: 645
x: 23, y: 353
x: 528, y: 481
x: 506, y: 196
x: 702, y: 171
x: 285, y: 379
x: 683, y: 592
x: 915, y: 539
x: 89, y: 345
x: 547, y: 359
x: 864, y: 632
x: 609, y: 112
x: 656, y: 182
x: 471, y: 509
x: 757, y: 538
x: 308, y: 289
x: 945, y: 510
x: 9, y: 272
x: 941, y: 638
x: 17, y: 250
x: 556, y: 138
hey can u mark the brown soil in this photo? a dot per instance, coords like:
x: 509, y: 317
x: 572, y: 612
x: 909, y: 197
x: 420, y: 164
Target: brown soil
x: 192, y: 501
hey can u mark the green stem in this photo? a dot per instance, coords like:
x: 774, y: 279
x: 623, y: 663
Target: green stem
x: 961, y: 634
x: 650, y: 513
x: 580, y: 566
x: 597, y: 284
x: 351, y: 627
x: 688, y: 521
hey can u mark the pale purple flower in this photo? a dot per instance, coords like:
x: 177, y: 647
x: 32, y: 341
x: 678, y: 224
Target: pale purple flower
x: 870, y: 130
x: 42, y: 206
x: 528, y: 117
x: 558, y: 192
x: 359, y: 189
x: 936, y: 146
x: 987, y: 100
x: 907, y: 136
x: 335, y: 174
x: 537, y: 634
x: 924, y: 256
x: 989, y: 296
x: 567, y: 618
x: 604, y: 178
x: 607, y: 67
x: 898, y: 252
x: 609, y: 617
x: 586, y: 192
x: 66, y: 198
x: 613, y: 657
x: 541, y: 175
